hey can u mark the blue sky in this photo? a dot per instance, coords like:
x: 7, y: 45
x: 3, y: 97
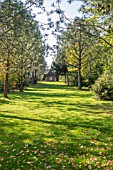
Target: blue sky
x: 70, y: 10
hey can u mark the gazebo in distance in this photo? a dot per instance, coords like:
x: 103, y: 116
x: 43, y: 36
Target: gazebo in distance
x: 49, y: 75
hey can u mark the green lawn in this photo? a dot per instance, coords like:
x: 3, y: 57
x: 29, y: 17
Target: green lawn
x: 56, y: 127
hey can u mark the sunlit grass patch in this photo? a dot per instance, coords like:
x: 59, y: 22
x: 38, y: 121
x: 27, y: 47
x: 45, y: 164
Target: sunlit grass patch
x: 53, y: 126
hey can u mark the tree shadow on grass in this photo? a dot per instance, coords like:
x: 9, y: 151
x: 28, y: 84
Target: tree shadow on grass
x: 89, y: 107
x: 94, y: 124
x: 53, y: 146
x: 40, y: 94
x: 3, y: 101
x: 57, y: 102
x: 67, y: 142
x: 49, y: 86
x: 70, y: 106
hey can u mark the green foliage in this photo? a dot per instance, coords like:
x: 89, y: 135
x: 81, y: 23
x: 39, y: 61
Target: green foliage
x: 75, y: 42
x: 52, y: 126
x: 73, y: 78
x: 100, y: 14
x: 103, y: 86
x: 56, y: 68
x: 22, y: 49
x: 60, y: 68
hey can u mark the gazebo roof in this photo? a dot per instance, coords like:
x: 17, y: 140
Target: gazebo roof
x: 49, y: 72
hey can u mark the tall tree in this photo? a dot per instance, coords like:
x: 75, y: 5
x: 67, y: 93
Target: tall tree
x: 76, y: 41
x: 18, y: 44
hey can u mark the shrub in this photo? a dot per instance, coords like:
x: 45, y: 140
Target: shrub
x: 103, y: 86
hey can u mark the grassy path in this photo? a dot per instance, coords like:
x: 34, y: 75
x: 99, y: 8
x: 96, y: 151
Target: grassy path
x: 52, y: 126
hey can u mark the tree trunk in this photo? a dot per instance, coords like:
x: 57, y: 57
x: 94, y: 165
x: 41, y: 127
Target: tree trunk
x: 6, y: 85
x: 79, y: 64
x: 68, y: 82
x: 65, y: 79
x: 21, y: 84
x: 32, y: 78
x: 57, y: 76
x: 79, y: 76
x: 35, y: 78
x: 6, y: 78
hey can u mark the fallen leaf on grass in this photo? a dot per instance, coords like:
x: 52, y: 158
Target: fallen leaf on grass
x: 74, y: 166
x: 29, y: 162
x: 89, y: 167
x: 42, y: 152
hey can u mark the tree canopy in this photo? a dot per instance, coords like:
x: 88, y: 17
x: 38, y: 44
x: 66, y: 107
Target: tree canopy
x: 22, y: 48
